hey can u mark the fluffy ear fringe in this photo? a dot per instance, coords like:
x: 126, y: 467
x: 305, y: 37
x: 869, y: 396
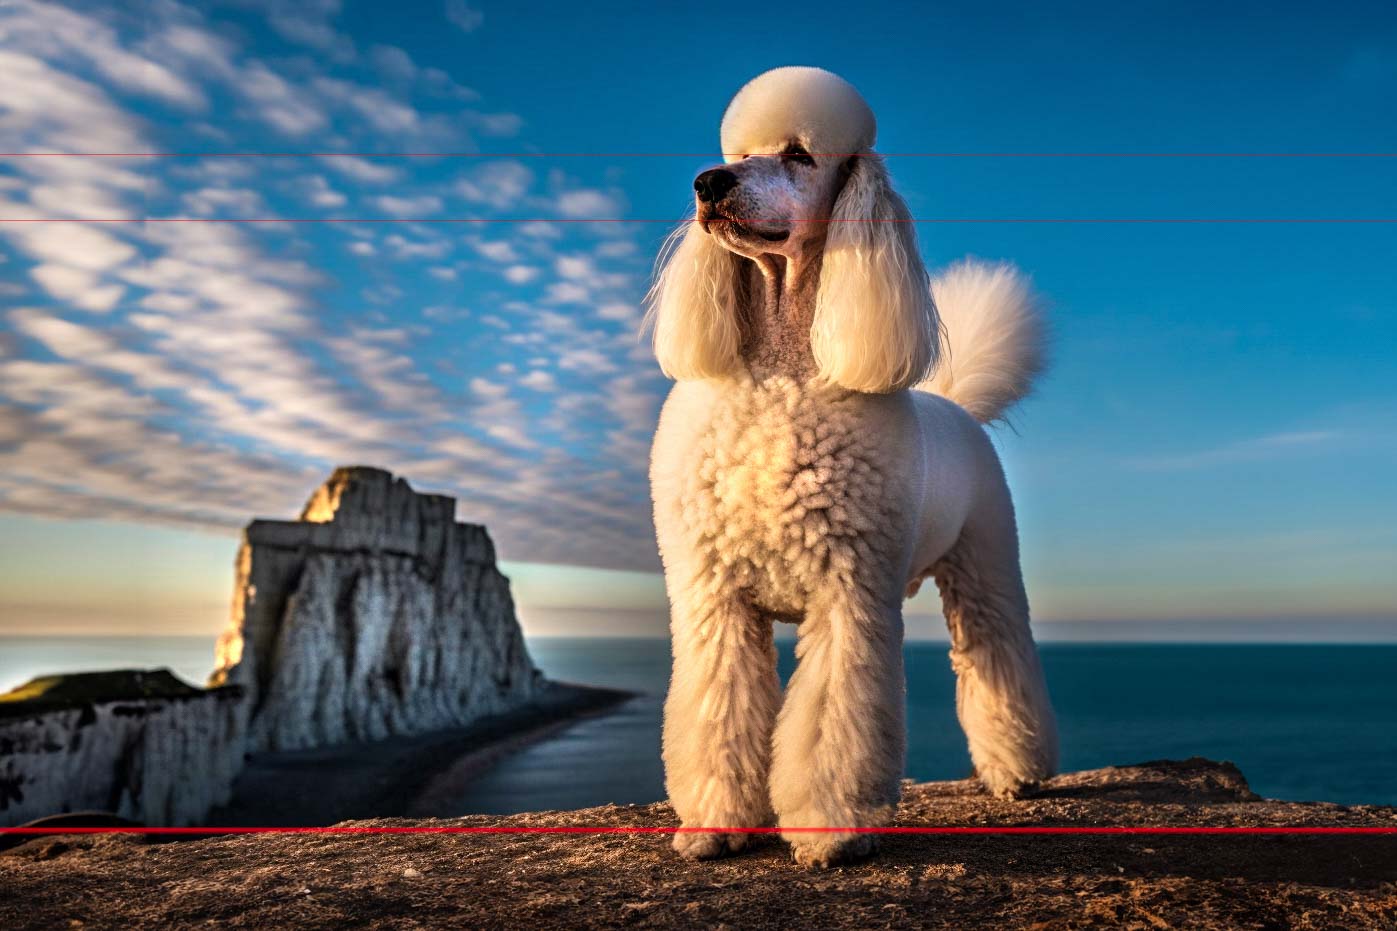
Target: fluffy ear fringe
x: 692, y: 307
x: 876, y: 329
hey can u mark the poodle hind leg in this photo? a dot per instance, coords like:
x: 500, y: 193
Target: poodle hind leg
x: 1001, y: 695
x: 840, y: 740
x: 722, y: 701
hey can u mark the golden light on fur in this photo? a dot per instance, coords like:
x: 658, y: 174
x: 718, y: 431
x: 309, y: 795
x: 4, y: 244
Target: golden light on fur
x: 995, y: 338
x: 692, y: 310
x: 875, y: 325
x: 812, y: 103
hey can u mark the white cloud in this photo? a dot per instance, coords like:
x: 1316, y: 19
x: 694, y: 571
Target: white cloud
x: 616, y: 248
x: 443, y: 313
x: 393, y: 63
x: 540, y: 229
x: 497, y: 184
x: 232, y: 202
x: 78, y: 287
x: 319, y: 192
x: 77, y: 244
x: 539, y: 380
x: 575, y: 267
x: 376, y: 107
x: 77, y: 198
x: 520, y: 274
x: 421, y: 205
x: 623, y: 313
x: 498, y: 250
x: 193, y: 47
x: 497, y: 124
x: 279, y: 103
x: 67, y: 113
x: 464, y: 16
x: 589, y: 203
x: 489, y: 389
x: 567, y: 292
x: 53, y: 31
x: 361, y: 169
x: 439, y: 82
x: 405, y: 248
x: 513, y: 434
x: 585, y: 360
x: 309, y: 22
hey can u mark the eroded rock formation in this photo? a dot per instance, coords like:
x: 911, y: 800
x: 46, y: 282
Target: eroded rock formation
x: 376, y: 614
x: 142, y: 745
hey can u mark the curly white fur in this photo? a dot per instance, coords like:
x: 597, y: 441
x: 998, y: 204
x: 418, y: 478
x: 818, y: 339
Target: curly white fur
x: 693, y: 311
x: 795, y: 478
x: 995, y: 338
x: 875, y: 325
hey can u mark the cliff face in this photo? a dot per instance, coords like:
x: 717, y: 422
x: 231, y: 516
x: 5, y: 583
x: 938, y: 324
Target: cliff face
x: 515, y: 880
x: 142, y: 745
x: 374, y: 615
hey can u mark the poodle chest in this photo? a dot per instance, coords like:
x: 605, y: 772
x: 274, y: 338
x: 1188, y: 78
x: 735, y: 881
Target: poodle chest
x: 785, y: 493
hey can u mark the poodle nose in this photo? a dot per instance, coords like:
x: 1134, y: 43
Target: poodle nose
x: 713, y: 184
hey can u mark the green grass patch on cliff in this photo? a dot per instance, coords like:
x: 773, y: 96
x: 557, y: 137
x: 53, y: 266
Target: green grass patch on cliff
x: 74, y: 690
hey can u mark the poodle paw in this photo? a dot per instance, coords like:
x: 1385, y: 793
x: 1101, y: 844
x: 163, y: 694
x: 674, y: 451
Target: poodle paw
x: 708, y: 845
x: 822, y: 851
x: 1003, y: 784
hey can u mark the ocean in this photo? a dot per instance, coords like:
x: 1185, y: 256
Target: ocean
x: 1302, y: 721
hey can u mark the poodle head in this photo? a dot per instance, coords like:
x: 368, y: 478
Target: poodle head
x: 800, y: 181
x: 790, y: 139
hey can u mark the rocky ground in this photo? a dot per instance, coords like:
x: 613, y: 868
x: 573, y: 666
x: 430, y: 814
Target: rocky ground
x: 601, y: 881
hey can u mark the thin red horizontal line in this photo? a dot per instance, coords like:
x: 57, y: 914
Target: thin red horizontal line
x: 931, y: 220
x: 637, y: 829
x: 692, y: 154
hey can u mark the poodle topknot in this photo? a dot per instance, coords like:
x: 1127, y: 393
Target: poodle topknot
x: 821, y: 454
x: 818, y: 107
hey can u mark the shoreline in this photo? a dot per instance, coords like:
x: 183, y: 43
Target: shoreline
x: 401, y: 776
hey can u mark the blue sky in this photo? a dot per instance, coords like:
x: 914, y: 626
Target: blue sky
x: 1215, y: 440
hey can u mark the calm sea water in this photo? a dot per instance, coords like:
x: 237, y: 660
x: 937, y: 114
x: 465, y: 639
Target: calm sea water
x: 1302, y: 721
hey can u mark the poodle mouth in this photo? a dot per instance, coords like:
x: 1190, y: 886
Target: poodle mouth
x: 712, y: 221
x: 742, y: 231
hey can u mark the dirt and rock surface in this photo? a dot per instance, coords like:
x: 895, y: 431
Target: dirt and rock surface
x: 1146, y: 881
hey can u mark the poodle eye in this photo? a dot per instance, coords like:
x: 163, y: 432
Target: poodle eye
x: 795, y: 152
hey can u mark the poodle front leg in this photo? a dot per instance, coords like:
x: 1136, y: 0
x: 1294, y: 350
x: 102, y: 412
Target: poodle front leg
x: 723, y: 695
x: 1001, y: 695
x: 840, y: 741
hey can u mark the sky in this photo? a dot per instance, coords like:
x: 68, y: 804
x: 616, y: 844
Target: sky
x: 1212, y: 451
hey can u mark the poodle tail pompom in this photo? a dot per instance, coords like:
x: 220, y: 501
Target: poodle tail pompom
x: 994, y: 338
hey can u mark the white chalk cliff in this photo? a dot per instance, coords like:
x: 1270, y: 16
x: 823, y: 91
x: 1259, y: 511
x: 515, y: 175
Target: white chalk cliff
x: 139, y: 744
x: 374, y: 615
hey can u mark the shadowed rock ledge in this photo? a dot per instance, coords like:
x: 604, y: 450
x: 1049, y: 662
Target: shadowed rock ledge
x: 604, y: 881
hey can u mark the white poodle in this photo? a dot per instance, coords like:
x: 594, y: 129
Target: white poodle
x: 821, y: 455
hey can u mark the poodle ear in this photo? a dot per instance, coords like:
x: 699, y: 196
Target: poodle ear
x: 875, y: 328
x: 692, y: 308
